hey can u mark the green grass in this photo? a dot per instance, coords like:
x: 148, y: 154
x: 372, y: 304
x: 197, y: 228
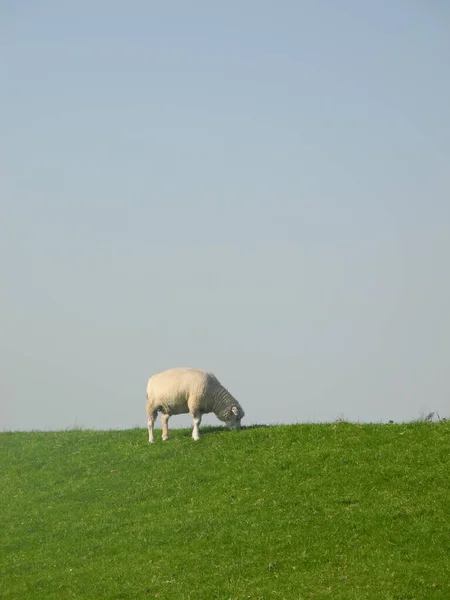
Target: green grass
x: 340, y: 511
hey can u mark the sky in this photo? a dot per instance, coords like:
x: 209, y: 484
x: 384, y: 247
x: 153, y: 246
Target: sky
x: 253, y: 188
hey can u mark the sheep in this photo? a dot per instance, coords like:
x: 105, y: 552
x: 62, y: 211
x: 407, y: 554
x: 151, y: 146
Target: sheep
x: 184, y: 390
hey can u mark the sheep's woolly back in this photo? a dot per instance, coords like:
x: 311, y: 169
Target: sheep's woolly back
x: 170, y: 390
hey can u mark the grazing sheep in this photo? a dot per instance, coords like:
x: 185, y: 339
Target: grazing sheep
x: 183, y: 390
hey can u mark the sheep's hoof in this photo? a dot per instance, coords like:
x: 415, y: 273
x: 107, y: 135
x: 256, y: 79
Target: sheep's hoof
x: 164, y: 439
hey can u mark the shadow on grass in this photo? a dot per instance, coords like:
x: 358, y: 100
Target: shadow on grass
x: 208, y: 429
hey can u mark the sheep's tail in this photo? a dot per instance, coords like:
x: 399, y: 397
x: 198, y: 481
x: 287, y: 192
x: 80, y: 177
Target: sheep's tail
x: 147, y: 401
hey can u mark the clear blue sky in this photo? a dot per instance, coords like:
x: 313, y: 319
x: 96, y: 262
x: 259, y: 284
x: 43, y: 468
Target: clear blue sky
x: 260, y: 189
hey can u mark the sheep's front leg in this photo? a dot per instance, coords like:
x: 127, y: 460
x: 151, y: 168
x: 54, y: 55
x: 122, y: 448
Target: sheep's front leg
x: 165, y: 427
x: 197, y: 420
x: 151, y: 423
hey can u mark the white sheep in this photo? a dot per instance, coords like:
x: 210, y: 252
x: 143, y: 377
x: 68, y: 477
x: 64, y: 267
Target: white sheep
x: 184, y: 390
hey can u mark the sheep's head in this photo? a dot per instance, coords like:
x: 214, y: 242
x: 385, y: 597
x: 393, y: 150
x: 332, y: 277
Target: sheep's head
x: 234, y: 418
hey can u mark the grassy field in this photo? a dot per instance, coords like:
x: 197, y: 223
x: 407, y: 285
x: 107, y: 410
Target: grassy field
x: 341, y: 511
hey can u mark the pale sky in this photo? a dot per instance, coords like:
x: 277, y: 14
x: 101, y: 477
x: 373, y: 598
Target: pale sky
x: 260, y: 189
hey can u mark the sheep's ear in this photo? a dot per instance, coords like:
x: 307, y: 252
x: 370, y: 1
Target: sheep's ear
x: 235, y: 411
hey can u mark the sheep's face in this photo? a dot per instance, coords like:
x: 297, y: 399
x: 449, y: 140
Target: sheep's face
x: 234, y: 420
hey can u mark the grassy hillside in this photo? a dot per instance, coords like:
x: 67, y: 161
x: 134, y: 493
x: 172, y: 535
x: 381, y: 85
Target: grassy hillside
x: 339, y: 511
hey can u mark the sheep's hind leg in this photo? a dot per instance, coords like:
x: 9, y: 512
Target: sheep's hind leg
x: 151, y: 423
x: 197, y: 417
x: 165, y: 427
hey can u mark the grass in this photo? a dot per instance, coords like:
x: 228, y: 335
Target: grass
x: 341, y: 511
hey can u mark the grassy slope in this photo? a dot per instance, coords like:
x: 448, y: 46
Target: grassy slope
x: 340, y: 511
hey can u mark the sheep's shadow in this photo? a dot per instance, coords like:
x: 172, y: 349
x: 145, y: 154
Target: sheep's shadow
x: 214, y: 429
